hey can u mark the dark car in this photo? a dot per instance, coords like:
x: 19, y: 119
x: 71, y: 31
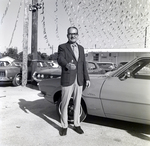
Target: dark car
x: 13, y: 71
x: 38, y: 76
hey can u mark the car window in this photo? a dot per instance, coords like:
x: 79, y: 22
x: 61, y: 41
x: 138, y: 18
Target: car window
x: 140, y: 70
x: 42, y: 64
x: 105, y: 65
x: 91, y: 66
x: 145, y: 70
x: 4, y: 63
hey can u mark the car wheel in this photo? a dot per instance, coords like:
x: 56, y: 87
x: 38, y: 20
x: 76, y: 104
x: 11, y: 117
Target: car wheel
x: 83, y: 112
x: 17, y: 80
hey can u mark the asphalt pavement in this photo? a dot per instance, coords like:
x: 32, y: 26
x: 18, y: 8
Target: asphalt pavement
x: 27, y: 119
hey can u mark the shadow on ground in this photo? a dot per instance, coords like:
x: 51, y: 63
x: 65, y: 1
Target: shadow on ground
x: 47, y: 111
x: 42, y: 109
x: 32, y: 86
x: 6, y: 84
x: 138, y: 130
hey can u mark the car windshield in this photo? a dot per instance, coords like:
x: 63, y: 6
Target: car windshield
x: 104, y: 65
x: 42, y: 64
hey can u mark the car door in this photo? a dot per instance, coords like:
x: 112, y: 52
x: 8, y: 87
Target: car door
x: 91, y: 96
x: 127, y: 96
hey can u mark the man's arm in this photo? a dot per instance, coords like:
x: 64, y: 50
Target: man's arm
x: 86, y: 74
x: 62, y: 61
x: 61, y: 57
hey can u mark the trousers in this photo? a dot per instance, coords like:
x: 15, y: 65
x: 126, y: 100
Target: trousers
x: 67, y: 92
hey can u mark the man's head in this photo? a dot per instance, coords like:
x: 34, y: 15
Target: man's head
x: 72, y: 34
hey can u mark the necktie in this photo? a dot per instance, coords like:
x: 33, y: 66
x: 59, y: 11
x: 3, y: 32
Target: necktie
x: 75, y: 50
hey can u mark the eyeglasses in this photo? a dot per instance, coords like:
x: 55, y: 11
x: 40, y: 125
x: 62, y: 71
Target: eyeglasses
x: 72, y: 33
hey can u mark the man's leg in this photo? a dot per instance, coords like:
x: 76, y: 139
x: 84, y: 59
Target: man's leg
x: 77, y: 104
x: 66, y: 95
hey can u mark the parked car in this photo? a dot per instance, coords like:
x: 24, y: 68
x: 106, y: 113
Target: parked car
x: 53, y: 64
x: 121, y: 64
x: 4, y: 63
x: 54, y: 72
x: 107, y: 66
x: 122, y: 94
x: 13, y: 71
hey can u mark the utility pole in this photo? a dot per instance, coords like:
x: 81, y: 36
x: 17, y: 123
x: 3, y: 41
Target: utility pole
x: 34, y: 8
x: 52, y: 49
x: 145, y: 36
x: 25, y: 42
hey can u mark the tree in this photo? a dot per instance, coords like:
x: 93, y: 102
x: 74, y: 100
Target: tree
x: 44, y: 56
x: 1, y: 55
x: 53, y: 56
x: 11, y: 52
x: 20, y: 56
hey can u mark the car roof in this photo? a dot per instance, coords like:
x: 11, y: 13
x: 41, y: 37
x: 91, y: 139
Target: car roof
x: 106, y: 62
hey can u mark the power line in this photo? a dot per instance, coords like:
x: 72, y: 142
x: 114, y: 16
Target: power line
x: 16, y: 22
x: 8, y: 4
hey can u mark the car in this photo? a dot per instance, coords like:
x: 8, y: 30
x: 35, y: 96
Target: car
x: 122, y: 94
x: 13, y: 71
x: 121, y: 64
x: 4, y: 63
x: 107, y: 66
x: 53, y: 64
x: 54, y: 72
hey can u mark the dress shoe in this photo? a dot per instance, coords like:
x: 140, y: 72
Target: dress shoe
x: 78, y: 130
x: 63, y: 132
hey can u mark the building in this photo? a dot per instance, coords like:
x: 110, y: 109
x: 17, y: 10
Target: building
x: 114, y: 55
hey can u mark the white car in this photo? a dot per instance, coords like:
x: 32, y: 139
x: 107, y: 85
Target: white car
x: 122, y: 94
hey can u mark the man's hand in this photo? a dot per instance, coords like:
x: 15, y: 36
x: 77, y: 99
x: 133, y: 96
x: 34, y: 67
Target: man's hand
x: 71, y: 66
x: 88, y: 84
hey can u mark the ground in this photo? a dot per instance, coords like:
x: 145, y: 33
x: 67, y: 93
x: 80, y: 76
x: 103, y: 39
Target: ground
x: 27, y: 119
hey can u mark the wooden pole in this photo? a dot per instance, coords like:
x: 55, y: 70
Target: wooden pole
x: 145, y: 37
x: 34, y: 36
x: 25, y: 42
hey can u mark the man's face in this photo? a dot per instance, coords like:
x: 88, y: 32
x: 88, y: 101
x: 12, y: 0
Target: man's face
x: 72, y: 35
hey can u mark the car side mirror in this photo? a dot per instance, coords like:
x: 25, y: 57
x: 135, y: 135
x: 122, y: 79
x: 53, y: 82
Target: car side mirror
x: 128, y: 74
x: 125, y: 76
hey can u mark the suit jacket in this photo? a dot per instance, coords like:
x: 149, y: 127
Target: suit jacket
x: 65, y: 56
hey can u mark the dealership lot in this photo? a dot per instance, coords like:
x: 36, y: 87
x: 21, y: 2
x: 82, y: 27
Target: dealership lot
x: 27, y: 119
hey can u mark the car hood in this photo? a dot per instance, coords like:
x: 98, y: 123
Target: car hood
x: 8, y: 67
x: 50, y: 71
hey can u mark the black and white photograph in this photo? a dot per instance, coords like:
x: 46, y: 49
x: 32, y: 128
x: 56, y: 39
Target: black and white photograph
x: 74, y: 73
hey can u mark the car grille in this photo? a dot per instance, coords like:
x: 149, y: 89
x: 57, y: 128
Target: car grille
x: 2, y: 74
x: 45, y: 76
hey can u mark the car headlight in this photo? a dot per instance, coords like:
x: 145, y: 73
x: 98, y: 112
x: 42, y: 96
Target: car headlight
x: 42, y: 76
x: 38, y: 76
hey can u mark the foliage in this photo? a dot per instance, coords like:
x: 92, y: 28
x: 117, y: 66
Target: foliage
x: 53, y: 56
x: 13, y: 53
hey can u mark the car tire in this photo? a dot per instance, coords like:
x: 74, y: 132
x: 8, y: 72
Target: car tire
x: 17, y: 80
x: 83, y: 111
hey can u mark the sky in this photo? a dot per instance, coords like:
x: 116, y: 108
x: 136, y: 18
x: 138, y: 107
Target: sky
x: 102, y: 24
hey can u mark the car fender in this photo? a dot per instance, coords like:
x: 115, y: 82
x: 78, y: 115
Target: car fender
x: 49, y: 87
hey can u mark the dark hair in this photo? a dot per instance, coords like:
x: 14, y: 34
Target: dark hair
x: 71, y: 28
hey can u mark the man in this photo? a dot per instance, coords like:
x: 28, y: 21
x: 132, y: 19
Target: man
x: 74, y: 75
